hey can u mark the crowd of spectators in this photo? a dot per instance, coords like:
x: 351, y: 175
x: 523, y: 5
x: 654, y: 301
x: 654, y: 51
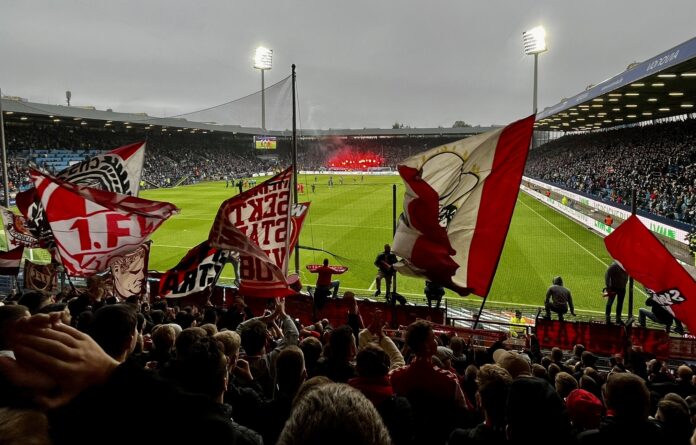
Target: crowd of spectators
x: 86, y: 368
x: 659, y: 161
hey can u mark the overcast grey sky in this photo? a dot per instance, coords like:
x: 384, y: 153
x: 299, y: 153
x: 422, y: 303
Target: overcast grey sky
x: 359, y: 63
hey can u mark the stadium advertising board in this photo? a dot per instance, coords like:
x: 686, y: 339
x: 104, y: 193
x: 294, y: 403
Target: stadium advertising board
x: 265, y: 142
x: 654, y: 226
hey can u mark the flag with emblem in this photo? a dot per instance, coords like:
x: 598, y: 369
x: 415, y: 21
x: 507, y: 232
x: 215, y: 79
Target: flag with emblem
x: 458, y: 204
x: 92, y: 226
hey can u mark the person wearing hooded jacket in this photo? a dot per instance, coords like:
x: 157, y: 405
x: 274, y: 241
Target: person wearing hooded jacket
x: 558, y: 300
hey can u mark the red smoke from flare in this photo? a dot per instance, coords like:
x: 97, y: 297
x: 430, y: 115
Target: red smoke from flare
x: 349, y: 159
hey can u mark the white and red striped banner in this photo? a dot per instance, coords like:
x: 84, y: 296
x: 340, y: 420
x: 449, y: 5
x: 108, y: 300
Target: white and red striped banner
x: 91, y: 226
x: 9, y: 261
x: 458, y: 205
x: 256, y: 225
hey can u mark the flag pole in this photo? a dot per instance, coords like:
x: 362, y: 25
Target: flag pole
x: 294, y: 163
x: 630, y: 279
x: 6, y: 182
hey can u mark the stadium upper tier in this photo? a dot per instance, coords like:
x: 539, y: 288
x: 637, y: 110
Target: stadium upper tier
x: 659, y: 161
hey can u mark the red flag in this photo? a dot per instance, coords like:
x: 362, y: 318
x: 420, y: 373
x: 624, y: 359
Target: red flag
x: 645, y: 259
x: 458, y: 205
x: 255, y: 224
x: 9, y: 261
x: 195, y: 272
x: 92, y: 226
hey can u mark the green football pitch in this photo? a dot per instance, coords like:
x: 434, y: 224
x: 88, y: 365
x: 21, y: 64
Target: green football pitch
x: 354, y: 220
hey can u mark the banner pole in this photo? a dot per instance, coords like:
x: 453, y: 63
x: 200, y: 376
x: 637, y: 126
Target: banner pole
x: 480, y: 311
x: 294, y: 161
x: 393, y: 210
x: 630, y: 279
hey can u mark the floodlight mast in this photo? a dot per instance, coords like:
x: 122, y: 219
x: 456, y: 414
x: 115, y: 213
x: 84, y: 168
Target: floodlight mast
x: 263, y: 60
x: 534, y: 42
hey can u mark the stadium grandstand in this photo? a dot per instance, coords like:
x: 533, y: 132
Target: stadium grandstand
x: 466, y: 375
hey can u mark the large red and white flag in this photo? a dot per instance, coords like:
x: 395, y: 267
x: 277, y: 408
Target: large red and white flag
x: 9, y: 261
x: 458, y: 205
x: 196, y: 271
x: 256, y: 225
x: 93, y: 226
x: 117, y: 171
x: 644, y: 258
x: 16, y: 230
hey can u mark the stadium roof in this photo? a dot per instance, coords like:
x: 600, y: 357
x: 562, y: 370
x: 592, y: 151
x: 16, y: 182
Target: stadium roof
x: 660, y: 87
x: 17, y: 109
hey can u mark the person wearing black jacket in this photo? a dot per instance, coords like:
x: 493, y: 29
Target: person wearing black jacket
x: 615, y: 279
x: 659, y: 314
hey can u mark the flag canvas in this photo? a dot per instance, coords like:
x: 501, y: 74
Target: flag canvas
x: 196, y: 272
x: 458, y: 205
x: 91, y: 226
x: 255, y: 224
x: 16, y: 230
x: 645, y: 259
x: 9, y: 261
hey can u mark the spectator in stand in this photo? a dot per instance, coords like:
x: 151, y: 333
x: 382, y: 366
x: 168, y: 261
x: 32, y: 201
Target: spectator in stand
x: 493, y: 389
x: 659, y: 314
x: 115, y: 329
x: 615, y: 279
x: 434, y: 394
x: 324, y: 282
x: 628, y: 401
x: 433, y: 292
x: 558, y: 300
x: 334, y: 414
x: 339, y: 353
x: 385, y: 270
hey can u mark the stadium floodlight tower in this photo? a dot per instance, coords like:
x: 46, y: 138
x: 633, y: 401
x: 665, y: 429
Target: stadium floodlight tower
x: 534, y: 42
x: 263, y: 60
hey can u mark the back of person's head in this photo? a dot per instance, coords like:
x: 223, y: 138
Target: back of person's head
x: 8, y: 315
x: 113, y: 328
x: 210, y: 329
x: 203, y: 369
x: 334, y: 414
x: 673, y: 413
x: 627, y: 396
x: 341, y: 345
x: 184, y: 319
x: 558, y: 281
x: 684, y: 373
x: 534, y: 405
x: 539, y: 371
x: 290, y: 369
x: 556, y: 355
x: 231, y: 342
x: 163, y: 337
x: 493, y: 389
x: 457, y: 345
x: 187, y: 338
x: 23, y: 427
x: 310, y: 385
x: 565, y: 383
x: 372, y: 361
x: 655, y: 366
x: 157, y: 316
x: 588, y: 359
x: 254, y: 334
x: 326, y: 261
x: 210, y: 315
x: 554, y: 369
x: 419, y: 338
x: 578, y: 349
x: 311, y: 348
x: 34, y: 301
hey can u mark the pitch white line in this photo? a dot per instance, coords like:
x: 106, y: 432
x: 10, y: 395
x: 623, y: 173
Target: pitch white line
x: 372, y: 286
x: 571, y: 238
